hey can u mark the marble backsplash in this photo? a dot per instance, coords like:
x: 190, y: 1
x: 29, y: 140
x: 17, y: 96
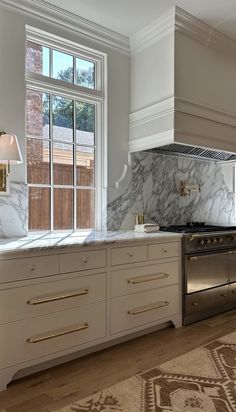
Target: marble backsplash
x: 14, y: 211
x: 153, y: 188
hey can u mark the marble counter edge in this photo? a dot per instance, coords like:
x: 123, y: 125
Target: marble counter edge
x: 37, y: 245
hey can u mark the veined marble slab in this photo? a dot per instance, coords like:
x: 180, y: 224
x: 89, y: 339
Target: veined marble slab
x: 14, y: 211
x: 154, y: 190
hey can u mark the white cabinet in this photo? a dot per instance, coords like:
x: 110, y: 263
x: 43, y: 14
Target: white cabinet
x: 58, y: 303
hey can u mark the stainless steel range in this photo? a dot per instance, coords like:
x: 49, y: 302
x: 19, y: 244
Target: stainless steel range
x: 209, y: 269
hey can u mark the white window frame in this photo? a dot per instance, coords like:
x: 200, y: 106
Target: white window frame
x: 97, y: 96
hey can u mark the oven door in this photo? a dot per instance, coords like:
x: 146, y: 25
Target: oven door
x: 205, y: 271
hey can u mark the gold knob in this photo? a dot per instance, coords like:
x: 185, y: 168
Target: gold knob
x: 130, y: 255
x: 208, y: 241
x: 195, y: 303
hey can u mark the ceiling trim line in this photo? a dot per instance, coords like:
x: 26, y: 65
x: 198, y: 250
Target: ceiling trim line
x: 206, y: 35
x: 69, y: 21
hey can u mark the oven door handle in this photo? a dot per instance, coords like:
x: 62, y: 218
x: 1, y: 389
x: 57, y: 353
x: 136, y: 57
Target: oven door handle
x: 229, y: 252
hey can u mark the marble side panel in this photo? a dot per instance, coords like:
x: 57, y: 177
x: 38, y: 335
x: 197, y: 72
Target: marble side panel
x: 14, y: 211
x: 154, y: 189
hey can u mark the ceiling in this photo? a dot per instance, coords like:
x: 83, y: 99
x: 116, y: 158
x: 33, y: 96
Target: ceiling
x: 129, y: 16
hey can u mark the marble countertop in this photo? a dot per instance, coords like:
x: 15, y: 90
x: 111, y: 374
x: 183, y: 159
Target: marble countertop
x: 37, y: 241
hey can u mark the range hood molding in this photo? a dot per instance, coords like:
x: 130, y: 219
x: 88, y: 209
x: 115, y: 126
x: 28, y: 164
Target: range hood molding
x: 199, y: 80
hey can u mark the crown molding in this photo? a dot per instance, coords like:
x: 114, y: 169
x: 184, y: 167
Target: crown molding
x: 204, y: 111
x: 153, y: 112
x: 69, y: 21
x: 204, y: 34
x: 153, y: 32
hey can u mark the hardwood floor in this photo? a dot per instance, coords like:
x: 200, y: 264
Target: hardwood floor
x: 59, y: 386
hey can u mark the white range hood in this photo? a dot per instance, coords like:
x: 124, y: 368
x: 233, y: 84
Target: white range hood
x: 183, y: 89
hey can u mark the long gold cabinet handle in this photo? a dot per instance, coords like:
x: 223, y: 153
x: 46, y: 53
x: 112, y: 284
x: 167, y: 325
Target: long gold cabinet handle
x: 143, y: 279
x: 56, y: 334
x: 53, y: 298
x: 148, y: 308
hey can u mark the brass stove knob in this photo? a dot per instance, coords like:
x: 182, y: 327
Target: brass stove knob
x: 214, y: 241
x: 233, y: 238
x: 202, y: 242
x: 220, y: 240
x: 208, y: 241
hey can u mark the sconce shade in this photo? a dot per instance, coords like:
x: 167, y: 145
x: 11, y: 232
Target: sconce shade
x: 9, y: 149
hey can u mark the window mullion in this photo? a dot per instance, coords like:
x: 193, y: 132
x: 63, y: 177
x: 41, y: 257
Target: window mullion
x: 51, y: 159
x: 74, y: 167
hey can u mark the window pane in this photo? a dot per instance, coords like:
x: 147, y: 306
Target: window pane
x: 62, y: 118
x: 63, y: 164
x: 84, y: 166
x: 39, y: 208
x: 63, y: 209
x: 37, y: 114
x: 85, y: 73
x: 85, y: 209
x: 85, y: 123
x: 62, y: 66
x: 37, y: 58
x: 38, y: 161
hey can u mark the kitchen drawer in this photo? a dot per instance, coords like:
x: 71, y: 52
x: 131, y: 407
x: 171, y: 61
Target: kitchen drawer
x: 207, y: 300
x: 132, y: 280
x: 25, y: 268
x: 143, y: 308
x: 130, y: 254
x: 163, y: 250
x: 232, y: 293
x: 32, y: 338
x: 51, y: 296
x: 90, y: 259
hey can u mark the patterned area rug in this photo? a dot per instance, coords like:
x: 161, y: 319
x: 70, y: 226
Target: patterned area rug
x: 203, y: 380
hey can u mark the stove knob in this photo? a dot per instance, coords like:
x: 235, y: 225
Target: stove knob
x: 208, y: 241
x: 220, y: 240
x: 233, y: 238
x: 214, y: 241
x: 201, y: 242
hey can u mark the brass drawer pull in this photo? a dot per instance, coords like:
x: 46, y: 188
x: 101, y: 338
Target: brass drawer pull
x: 130, y: 254
x: 56, y: 334
x: 85, y: 260
x: 164, y: 250
x: 143, y: 279
x: 195, y: 303
x: 39, y: 301
x: 147, y: 308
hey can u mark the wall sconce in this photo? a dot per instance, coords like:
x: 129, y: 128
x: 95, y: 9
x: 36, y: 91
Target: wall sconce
x: 186, y: 189
x: 9, y: 154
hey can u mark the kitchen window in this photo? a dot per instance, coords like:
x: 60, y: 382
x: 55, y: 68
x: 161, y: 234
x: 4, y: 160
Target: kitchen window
x: 65, y: 129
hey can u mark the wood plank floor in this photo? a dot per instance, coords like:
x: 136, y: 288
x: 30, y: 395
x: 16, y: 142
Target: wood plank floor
x: 59, y: 386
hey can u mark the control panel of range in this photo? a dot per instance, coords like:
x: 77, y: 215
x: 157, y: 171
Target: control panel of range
x: 209, y: 241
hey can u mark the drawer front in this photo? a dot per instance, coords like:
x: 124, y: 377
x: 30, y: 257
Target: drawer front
x: 73, y: 262
x: 128, y: 281
x: 142, y: 308
x: 163, y: 250
x: 51, y: 296
x: 130, y: 254
x: 207, y: 300
x: 32, y: 338
x: 25, y: 268
x: 232, y: 293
